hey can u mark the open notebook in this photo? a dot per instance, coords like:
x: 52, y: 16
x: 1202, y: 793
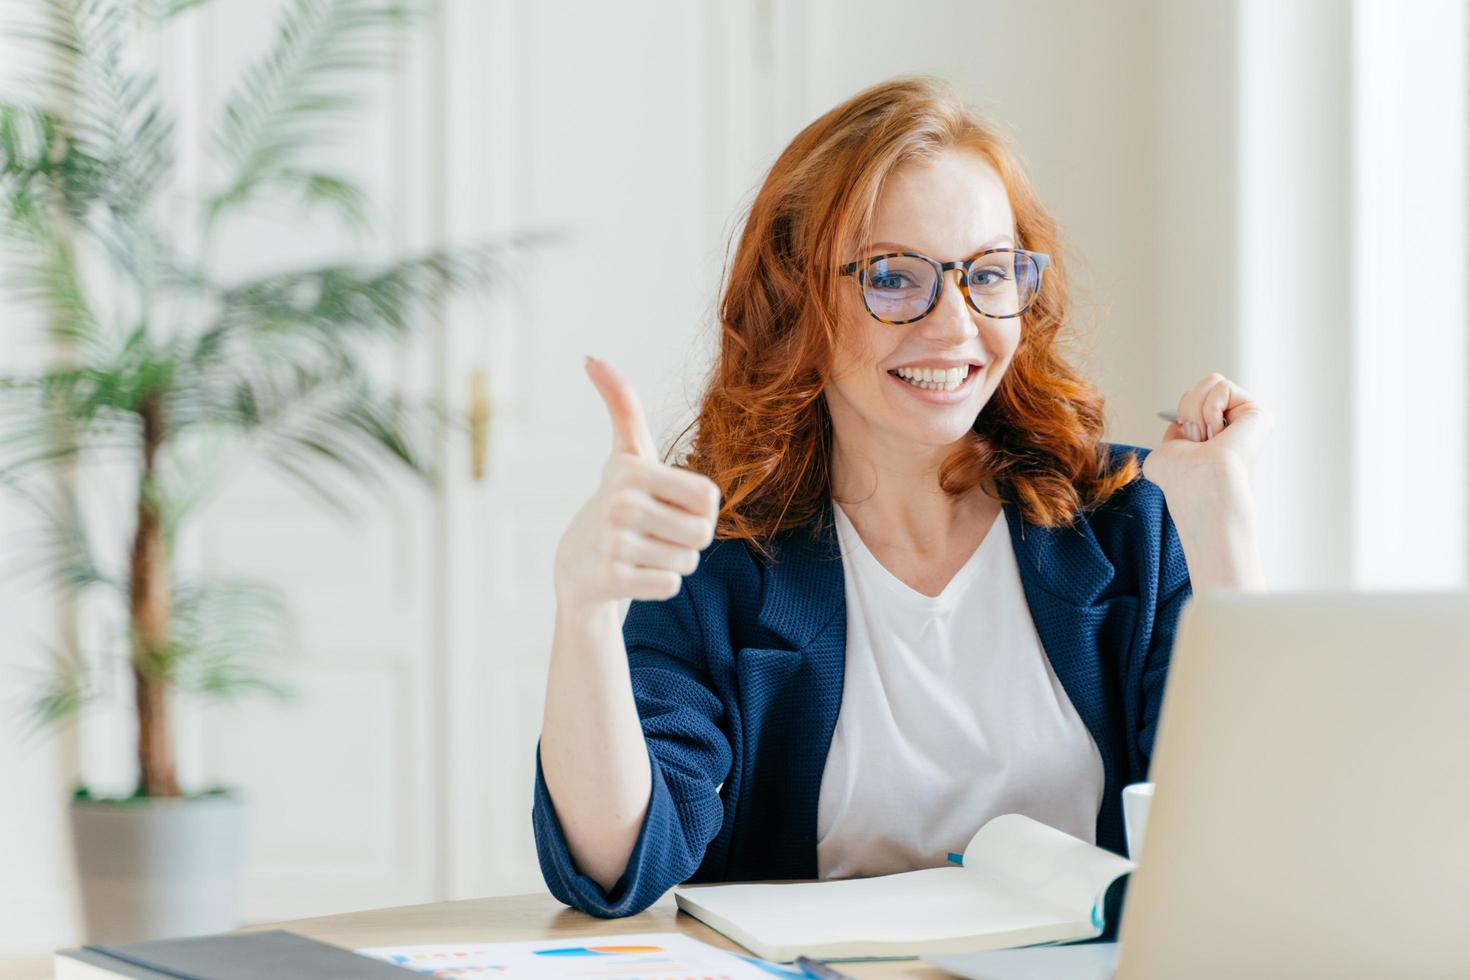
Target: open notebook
x: 1021, y: 883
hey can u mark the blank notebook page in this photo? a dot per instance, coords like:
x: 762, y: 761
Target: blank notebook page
x: 929, y: 905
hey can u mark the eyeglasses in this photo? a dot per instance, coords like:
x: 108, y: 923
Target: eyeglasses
x: 901, y: 287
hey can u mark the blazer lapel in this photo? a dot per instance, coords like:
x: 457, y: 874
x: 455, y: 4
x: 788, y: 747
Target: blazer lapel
x: 1063, y: 573
x: 791, y: 690
x: 804, y: 587
x: 1067, y: 562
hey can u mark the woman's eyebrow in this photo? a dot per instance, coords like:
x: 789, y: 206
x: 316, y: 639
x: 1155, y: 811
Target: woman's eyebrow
x: 998, y: 240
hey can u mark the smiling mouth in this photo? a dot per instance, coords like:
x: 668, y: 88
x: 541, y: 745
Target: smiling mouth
x: 935, y: 380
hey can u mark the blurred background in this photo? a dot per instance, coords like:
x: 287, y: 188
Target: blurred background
x: 1275, y: 191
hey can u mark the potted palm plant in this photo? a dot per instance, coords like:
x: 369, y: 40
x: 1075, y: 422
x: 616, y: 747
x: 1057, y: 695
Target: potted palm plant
x: 168, y: 371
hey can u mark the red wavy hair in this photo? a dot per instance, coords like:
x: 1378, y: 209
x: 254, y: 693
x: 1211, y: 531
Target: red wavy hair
x: 763, y: 432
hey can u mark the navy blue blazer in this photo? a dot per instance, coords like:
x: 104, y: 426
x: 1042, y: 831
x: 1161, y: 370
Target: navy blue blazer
x: 738, y: 680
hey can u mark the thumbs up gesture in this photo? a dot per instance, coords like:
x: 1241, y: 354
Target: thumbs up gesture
x: 643, y: 529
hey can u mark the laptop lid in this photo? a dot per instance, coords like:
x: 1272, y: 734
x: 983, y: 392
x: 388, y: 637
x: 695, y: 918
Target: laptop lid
x: 1312, y: 810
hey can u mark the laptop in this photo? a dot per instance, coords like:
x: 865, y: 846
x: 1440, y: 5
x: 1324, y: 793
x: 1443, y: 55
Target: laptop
x: 1311, y: 816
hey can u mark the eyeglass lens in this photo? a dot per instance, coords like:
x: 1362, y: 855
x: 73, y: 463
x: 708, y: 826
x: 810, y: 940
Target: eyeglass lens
x: 904, y: 287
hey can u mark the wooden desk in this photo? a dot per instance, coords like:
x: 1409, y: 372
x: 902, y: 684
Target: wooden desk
x: 502, y: 919
x: 532, y: 917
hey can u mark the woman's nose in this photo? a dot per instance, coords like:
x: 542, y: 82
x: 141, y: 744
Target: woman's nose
x: 952, y: 318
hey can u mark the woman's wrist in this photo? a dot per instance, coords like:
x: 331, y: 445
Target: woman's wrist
x: 1217, y: 525
x: 579, y: 617
x: 1224, y: 557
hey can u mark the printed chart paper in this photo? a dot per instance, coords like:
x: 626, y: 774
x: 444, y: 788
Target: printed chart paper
x: 650, y: 956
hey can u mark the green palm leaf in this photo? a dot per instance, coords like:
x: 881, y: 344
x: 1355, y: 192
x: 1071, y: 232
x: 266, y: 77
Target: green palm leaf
x: 223, y: 630
x: 114, y: 115
x: 67, y: 687
x: 57, y: 551
x: 339, y: 303
x: 286, y: 102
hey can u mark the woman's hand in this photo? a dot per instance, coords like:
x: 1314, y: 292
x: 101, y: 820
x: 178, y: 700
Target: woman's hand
x: 1219, y: 427
x: 643, y: 529
x: 1204, y: 466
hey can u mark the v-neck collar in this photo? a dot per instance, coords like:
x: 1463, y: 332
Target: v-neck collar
x: 1063, y: 564
x: 901, y: 590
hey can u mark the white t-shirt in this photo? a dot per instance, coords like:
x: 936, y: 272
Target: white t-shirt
x: 951, y: 714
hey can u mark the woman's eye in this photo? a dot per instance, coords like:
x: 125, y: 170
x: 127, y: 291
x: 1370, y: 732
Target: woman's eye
x: 891, y: 280
x: 989, y: 276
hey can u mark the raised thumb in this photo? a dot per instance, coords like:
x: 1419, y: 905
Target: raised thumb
x: 630, y: 428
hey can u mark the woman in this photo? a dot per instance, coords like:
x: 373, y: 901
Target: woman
x: 900, y: 585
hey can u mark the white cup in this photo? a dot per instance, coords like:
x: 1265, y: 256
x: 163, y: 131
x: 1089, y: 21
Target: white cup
x: 1136, y: 799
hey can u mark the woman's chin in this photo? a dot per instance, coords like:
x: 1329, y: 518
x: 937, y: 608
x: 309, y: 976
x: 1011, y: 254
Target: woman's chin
x: 934, y: 425
x: 935, y: 433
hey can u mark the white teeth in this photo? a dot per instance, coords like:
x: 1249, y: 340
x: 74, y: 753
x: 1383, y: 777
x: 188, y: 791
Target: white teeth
x: 934, y: 379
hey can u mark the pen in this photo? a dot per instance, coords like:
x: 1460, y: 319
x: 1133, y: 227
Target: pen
x: 1172, y: 417
x: 819, y: 971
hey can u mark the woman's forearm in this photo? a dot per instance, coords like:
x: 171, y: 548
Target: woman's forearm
x: 1217, y: 531
x: 593, y: 754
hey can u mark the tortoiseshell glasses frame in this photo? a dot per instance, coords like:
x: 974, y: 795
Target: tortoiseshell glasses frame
x: 1029, y: 267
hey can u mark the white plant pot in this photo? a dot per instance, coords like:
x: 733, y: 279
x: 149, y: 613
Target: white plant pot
x: 158, y: 868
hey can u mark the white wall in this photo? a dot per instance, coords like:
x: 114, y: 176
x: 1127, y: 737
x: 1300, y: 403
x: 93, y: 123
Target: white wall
x: 36, y: 881
x: 1293, y: 307
x: 36, y: 885
x: 1410, y: 404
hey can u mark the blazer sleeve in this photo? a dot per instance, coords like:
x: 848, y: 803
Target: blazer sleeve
x: 689, y: 755
x: 1174, y: 591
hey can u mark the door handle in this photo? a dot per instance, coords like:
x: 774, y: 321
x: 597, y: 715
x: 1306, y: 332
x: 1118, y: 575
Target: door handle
x: 480, y: 412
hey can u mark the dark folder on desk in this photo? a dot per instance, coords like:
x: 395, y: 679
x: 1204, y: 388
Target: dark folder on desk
x: 274, y: 954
